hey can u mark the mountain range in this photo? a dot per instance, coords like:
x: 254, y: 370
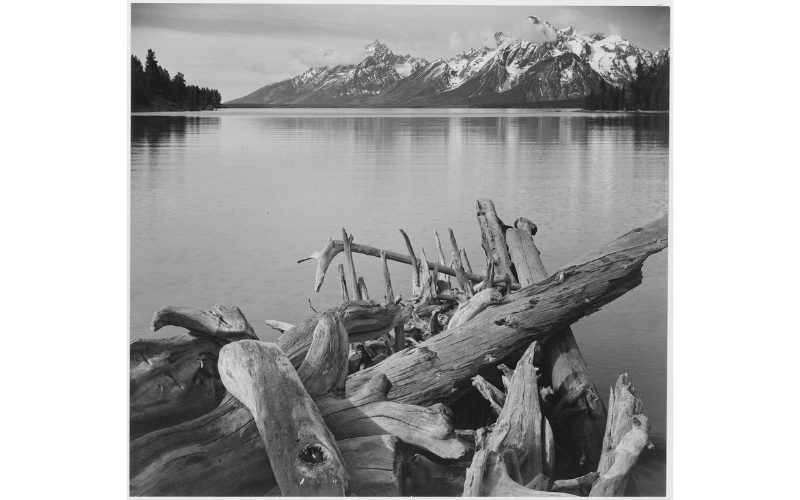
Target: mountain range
x: 566, y: 67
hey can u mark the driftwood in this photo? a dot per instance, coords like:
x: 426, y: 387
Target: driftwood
x: 440, y: 369
x: 623, y: 404
x: 278, y: 325
x: 493, y: 238
x: 488, y: 476
x: 458, y: 265
x: 221, y: 453
x: 303, y: 453
x: 431, y: 479
x: 562, y: 358
x: 585, y: 481
x: 347, y: 242
x: 474, y: 306
x: 523, y: 252
x: 376, y: 465
x: 333, y: 247
x: 491, y: 393
x: 343, y: 282
x: 365, y: 320
x: 613, y: 481
x: 176, y: 379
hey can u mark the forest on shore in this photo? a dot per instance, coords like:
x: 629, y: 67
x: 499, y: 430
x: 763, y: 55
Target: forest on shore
x: 152, y: 89
x: 648, y: 92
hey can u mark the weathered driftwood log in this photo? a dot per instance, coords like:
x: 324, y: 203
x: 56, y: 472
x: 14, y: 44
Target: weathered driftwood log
x: 623, y: 404
x: 440, y: 369
x: 174, y: 380
x: 435, y: 480
x: 362, y: 287
x: 399, y: 335
x: 474, y: 306
x: 343, y: 282
x: 442, y: 260
x: 365, y: 320
x: 333, y: 247
x: 612, y: 482
x: 376, y: 465
x: 347, y: 242
x: 488, y: 476
x: 520, y: 425
x: 493, y: 238
x: 303, y: 453
x: 368, y: 413
x: 220, y: 453
x: 492, y: 394
x: 523, y: 252
x: 585, y: 481
x: 278, y: 325
x: 562, y: 358
x: 458, y: 265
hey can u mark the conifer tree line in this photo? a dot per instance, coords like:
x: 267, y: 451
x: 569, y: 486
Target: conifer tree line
x: 648, y: 92
x: 151, y: 83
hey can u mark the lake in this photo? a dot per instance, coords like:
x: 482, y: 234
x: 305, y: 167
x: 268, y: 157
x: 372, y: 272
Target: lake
x: 224, y: 203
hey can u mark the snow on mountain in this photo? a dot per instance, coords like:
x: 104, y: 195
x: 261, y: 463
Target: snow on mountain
x: 568, y: 65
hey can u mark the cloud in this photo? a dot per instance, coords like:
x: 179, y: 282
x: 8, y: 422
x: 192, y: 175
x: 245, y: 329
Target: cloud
x: 614, y: 28
x: 315, y: 57
x: 263, y: 68
x: 537, y: 33
x: 566, y: 17
x: 454, y: 41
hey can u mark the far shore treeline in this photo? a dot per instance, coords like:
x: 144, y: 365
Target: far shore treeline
x: 152, y: 89
x: 648, y: 92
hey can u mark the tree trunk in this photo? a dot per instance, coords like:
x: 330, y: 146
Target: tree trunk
x: 347, y: 241
x: 440, y: 369
x: 488, y: 476
x: 474, y: 306
x: 303, y: 453
x: 523, y: 252
x: 174, y: 380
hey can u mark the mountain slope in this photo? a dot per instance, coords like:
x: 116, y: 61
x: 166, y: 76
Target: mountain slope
x: 569, y: 65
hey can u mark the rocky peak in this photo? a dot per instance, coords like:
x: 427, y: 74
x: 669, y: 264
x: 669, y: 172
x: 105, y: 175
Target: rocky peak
x: 375, y: 47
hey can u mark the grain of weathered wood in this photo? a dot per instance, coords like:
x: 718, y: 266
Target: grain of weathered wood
x: 376, y: 465
x: 436, y: 480
x: 172, y: 381
x: 524, y: 254
x: 585, y: 481
x: 614, y: 480
x: 442, y: 260
x: 488, y: 477
x: 493, y: 238
x: 623, y: 404
x: 465, y: 260
x: 399, y: 335
x: 519, y: 426
x: 222, y: 322
x: 491, y: 393
x: 302, y: 451
x: 278, y: 325
x: 176, y: 379
x: 324, y: 368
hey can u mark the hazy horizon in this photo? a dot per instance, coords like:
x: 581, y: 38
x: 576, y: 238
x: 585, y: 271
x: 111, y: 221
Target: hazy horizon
x: 239, y: 48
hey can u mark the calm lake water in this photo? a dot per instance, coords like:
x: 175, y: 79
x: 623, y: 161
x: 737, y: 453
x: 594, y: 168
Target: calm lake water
x: 224, y: 203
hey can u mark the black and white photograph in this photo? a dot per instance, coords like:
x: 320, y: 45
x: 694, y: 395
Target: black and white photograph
x: 399, y: 249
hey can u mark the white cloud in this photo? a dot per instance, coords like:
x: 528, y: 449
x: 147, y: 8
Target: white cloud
x: 536, y: 33
x: 315, y: 57
x: 614, y: 29
x: 454, y: 41
x: 263, y: 68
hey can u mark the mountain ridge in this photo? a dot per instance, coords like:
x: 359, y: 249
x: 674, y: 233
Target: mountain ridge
x: 568, y: 66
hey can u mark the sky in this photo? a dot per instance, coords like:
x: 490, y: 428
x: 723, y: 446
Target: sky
x: 239, y: 48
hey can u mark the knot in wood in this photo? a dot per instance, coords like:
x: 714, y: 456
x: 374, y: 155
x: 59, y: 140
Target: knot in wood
x: 313, y: 454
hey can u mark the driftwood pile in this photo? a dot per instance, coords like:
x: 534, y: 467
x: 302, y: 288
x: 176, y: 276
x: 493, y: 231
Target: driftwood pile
x: 474, y: 387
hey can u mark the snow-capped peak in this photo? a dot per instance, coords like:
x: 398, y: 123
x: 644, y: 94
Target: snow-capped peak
x: 502, y: 39
x: 376, y: 47
x: 547, y: 28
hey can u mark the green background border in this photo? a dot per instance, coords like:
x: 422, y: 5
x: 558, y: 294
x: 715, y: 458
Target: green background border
x: 64, y: 250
